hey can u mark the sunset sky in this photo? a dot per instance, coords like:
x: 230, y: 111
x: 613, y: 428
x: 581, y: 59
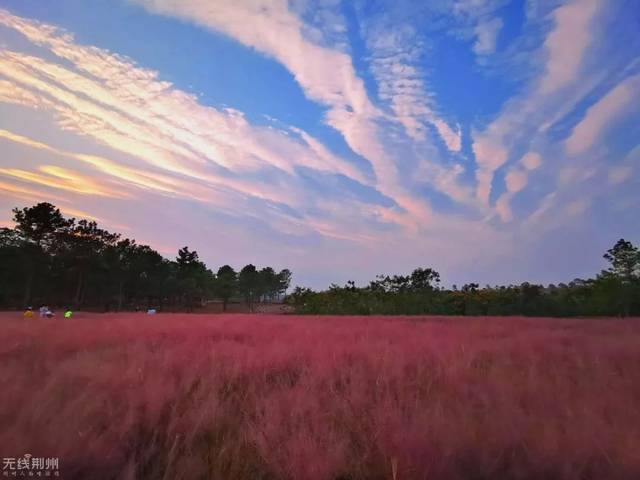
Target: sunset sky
x: 495, y: 141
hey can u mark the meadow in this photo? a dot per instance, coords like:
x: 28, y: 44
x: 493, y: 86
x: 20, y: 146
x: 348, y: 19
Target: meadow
x: 179, y: 396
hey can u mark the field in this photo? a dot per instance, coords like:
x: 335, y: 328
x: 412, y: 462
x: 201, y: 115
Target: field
x: 285, y: 397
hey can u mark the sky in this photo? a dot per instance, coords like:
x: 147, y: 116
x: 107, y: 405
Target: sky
x: 496, y: 141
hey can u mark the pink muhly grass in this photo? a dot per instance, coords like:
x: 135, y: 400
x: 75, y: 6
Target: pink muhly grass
x: 285, y: 397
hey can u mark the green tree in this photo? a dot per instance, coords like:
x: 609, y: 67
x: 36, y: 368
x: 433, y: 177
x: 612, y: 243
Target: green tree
x: 193, y: 277
x: 12, y: 267
x: 267, y: 284
x: 61, y: 260
x: 118, y: 260
x: 226, y: 284
x: 40, y: 224
x: 283, y: 281
x: 84, y: 245
x: 248, y: 284
x: 619, y: 286
x: 422, y: 279
x: 39, y: 228
x: 625, y: 260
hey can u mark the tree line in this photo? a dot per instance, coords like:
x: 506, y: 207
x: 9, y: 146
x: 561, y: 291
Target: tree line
x: 49, y: 259
x: 613, y: 292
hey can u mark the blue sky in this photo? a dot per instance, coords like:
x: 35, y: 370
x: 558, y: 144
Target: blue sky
x: 494, y: 140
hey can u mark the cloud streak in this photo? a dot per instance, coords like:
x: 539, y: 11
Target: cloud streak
x: 392, y: 184
x: 189, y: 149
x: 602, y: 115
x: 328, y: 77
x: 524, y: 116
x: 567, y: 43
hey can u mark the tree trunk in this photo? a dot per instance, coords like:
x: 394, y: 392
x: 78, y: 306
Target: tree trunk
x: 31, y: 265
x: 27, y: 287
x: 120, y: 295
x: 79, y: 288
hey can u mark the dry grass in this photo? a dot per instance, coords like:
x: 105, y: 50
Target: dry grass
x: 283, y: 397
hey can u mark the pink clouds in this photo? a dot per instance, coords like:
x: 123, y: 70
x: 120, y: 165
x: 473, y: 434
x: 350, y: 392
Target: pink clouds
x: 327, y: 76
x: 110, y: 99
x: 503, y: 207
x: 527, y: 115
x: 567, y: 44
x: 109, y: 119
x: 62, y: 179
x: 602, y: 115
x: 516, y: 180
x: 531, y: 160
x: 125, y: 98
x: 620, y: 174
x: 401, y: 83
x: 578, y: 206
x: 452, y: 137
x: 490, y: 155
x: 161, y: 142
x: 12, y: 93
x: 626, y: 169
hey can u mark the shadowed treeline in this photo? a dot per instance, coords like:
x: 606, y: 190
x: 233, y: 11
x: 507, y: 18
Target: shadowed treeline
x: 47, y: 258
x: 615, y: 291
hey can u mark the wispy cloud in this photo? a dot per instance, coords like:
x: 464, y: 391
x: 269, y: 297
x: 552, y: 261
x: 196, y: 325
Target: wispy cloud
x: 327, y: 76
x: 603, y: 114
x: 548, y: 114
x: 567, y: 43
x: 63, y: 179
x: 627, y: 169
x: 396, y: 55
x: 487, y: 35
x: 516, y: 180
x: 478, y: 21
x: 526, y: 115
x: 26, y: 193
x: 189, y: 149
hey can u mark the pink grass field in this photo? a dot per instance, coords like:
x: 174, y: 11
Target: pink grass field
x: 181, y: 396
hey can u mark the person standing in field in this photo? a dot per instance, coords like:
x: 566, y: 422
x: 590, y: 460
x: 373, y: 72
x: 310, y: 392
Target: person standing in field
x: 68, y: 313
x: 43, y: 311
x: 28, y: 313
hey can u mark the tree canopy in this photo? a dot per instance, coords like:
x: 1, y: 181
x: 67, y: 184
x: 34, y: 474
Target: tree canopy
x: 47, y: 258
x: 615, y: 291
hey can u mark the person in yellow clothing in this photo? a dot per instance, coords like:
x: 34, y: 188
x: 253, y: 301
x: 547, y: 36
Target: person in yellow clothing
x: 68, y: 313
x: 28, y: 313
